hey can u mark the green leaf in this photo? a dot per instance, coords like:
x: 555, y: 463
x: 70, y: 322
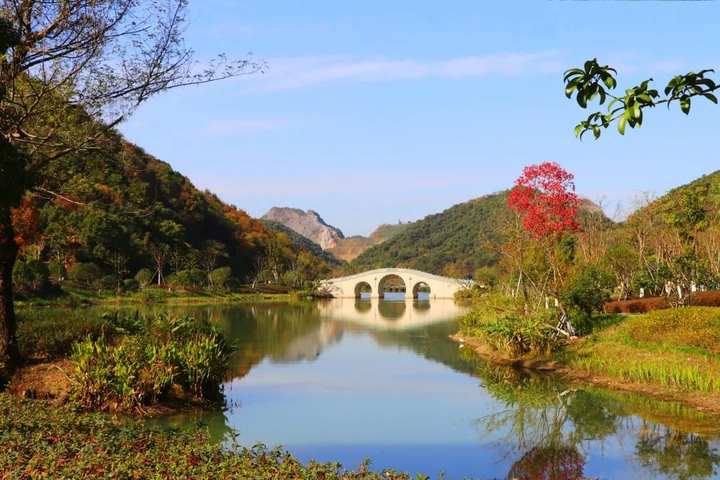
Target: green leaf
x: 621, y: 125
x: 685, y: 105
x: 711, y: 97
x: 581, y: 100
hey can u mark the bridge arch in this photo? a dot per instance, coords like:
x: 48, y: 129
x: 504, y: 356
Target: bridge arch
x: 391, y: 283
x: 363, y: 287
x: 422, y: 287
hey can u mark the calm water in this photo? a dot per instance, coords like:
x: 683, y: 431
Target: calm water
x: 347, y: 380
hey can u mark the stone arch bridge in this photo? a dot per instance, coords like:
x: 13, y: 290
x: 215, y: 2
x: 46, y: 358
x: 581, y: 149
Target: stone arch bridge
x: 378, y: 282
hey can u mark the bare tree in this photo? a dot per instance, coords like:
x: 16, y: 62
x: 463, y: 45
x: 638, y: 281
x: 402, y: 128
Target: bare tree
x: 70, y: 71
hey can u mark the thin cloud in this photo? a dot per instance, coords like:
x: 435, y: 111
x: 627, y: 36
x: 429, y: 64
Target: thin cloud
x: 236, y: 126
x: 299, y: 72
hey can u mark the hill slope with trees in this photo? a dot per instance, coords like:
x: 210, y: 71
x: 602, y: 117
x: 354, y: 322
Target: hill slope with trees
x: 456, y: 242
x: 103, y: 219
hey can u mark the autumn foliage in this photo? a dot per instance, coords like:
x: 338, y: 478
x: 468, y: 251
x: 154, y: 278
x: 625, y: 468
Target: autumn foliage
x: 545, y: 198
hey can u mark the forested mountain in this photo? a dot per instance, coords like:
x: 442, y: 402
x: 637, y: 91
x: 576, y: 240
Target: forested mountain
x: 455, y: 242
x: 702, y: 195
x: 105, y: 215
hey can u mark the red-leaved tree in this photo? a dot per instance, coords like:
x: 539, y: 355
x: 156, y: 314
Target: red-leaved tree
x: 544, y: 196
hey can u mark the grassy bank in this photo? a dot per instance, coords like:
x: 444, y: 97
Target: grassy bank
x: 43, y: 441
x: 75, y: 297
x: 678, y: 349
x: 671, y: 353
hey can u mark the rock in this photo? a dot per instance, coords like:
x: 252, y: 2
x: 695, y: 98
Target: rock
x: 308, y: 224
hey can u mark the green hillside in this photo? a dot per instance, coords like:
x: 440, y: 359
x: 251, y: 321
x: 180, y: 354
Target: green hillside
x: 101, y: 217
x: 454, y: 242
x: 702, y: 193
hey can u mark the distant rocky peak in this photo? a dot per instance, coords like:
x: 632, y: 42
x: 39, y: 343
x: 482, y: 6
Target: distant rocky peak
x: 309, y: 224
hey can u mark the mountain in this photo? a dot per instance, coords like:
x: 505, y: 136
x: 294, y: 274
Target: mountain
x: 308, y: 224
x: 349, y: 248
x: 454, y: 242
x: 303, y: 243
x: 120, y: 210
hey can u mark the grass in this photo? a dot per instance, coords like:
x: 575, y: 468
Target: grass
x: 76, y: 296
x: 678, y: 349
x: 43, y: 441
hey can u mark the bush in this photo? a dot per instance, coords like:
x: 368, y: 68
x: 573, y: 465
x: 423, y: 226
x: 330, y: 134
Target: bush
x: 141, y: 368
x: 30, y: 276
x: 144, y: 277
x: 57, y: 271
x: 130, y: 285
x: 501, y: 322
x: 588, y: 290
x: 85, y: 275
x: 520, y: 336
x: 220, y: 278
x: 109, y: 282
x: 192, y: 279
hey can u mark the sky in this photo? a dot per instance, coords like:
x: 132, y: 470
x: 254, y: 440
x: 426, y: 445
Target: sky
x: 383, y: 111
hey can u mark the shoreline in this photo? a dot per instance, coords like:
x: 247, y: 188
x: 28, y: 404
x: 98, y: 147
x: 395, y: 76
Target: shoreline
x: 163, y: 298
x: 703, y: 402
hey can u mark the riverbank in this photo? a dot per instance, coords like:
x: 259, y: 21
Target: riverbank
x: 668, y: 354
x: 40, y: 439
x: 80, y: 297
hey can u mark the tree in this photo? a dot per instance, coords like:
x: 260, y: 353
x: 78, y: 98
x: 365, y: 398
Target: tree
x: 544, y: 198
x: 71, y: 70
x: 595, y: 82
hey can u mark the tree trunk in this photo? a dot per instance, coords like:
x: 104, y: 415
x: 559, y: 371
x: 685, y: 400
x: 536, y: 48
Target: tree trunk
x: 9, y: 354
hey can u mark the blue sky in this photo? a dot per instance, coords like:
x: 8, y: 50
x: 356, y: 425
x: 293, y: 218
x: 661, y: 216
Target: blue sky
x: 373, y: 112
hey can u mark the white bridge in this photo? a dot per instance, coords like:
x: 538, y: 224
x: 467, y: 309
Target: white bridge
x: 376, y: 283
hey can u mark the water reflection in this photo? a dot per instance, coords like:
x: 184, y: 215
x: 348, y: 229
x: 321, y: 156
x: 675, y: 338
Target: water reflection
x: 402, y: 314
x: 344, y: 380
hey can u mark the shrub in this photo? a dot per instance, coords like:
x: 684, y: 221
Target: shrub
x: 109, y: 282
x: 520, y: 336
x: 144, y: 277
x: 85, y: 274
x: 130, y: 285
x: 187, y: 279
x: 220, y: 277
x: 141, y: 367
x: 486, y: 276
x: 30, y: 276
x: 587, y: 291
x: 57, y: 271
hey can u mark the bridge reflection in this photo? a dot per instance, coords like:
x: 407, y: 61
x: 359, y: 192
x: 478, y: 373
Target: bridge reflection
x: 381, y: 314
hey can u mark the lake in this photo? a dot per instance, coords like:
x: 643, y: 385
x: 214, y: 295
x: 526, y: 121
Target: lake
x: 345, y: 380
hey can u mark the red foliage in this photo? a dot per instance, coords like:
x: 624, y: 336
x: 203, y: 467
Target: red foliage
x: 25, y: 222
x: 544, y: 196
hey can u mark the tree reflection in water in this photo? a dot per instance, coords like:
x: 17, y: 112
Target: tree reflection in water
x: 548, y: 426
x: 675, y: 454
